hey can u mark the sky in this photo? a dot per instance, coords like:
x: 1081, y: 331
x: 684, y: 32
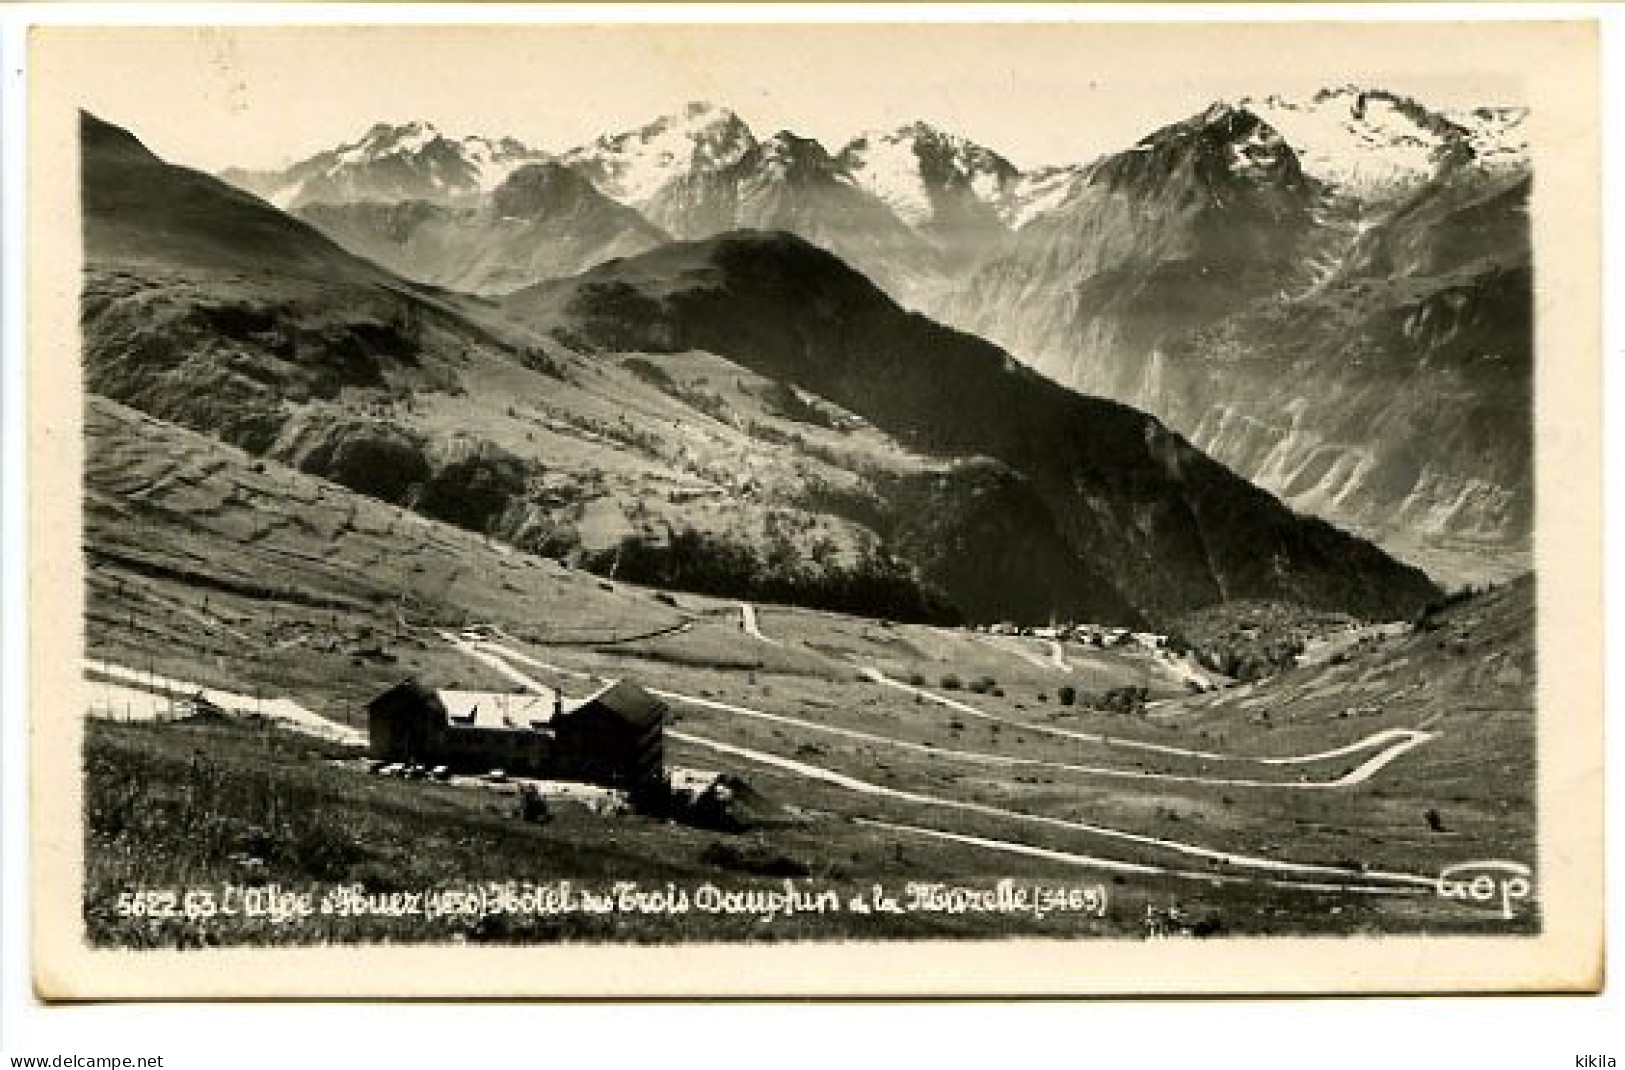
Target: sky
x: 265, y: 96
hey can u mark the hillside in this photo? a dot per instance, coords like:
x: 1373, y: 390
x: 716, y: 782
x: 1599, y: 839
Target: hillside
x: 1321, y: 801
x: 1195, y: 220
x: 1466, y: 671
x: 1249, y: 640
x: 1412, y: 418
x: 223, y: 315
x: 1172, y: 529
x: 139, y: 209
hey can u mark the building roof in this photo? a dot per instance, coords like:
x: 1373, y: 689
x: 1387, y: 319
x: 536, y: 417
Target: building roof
x: 627, y: 702
x: 497, y: 709
x: 408, y: 688
x: 526, y: 711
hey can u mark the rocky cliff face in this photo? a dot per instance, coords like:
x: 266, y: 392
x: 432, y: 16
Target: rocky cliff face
x: 1348, y: 329
x: 1194, y: 221
x: 1397, y: 396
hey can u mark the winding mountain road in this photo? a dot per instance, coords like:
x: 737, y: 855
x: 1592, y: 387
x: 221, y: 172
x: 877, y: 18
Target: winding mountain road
x: 499, y: 664
x: 1306, y: 875
x: 148, y: 696
x: 1243, y: 861
x: 1389, y: 744
x: 1393, y: 741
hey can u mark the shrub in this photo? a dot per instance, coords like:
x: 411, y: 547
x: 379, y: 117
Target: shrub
x: 754, y: 857
x: 1066, y: 694
x: 532, y: 805
x: 1129, y: 699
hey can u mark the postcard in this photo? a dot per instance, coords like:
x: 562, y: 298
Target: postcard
x: 828, y: 508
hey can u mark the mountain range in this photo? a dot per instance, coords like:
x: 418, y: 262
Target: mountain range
x: 391, y: 162
x: 744, y: 413
x: 1330, y: 294
x: 1349, y: 328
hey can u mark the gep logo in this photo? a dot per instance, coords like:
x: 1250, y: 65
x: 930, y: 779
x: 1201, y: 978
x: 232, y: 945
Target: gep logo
x: 1485, y: 881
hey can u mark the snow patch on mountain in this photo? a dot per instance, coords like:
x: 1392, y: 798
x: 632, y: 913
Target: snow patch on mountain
x: 1499, y: 136
x: 1364, y: 142
x: 1039, y: 191
x: 908, y: 167
x: 634, y: 165
x: 390, y: 162
x: 887, y: 167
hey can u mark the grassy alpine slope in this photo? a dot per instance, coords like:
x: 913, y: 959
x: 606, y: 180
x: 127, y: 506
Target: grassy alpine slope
x: 213, y: 566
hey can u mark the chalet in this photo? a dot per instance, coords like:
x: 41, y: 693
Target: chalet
x: 612, y: 737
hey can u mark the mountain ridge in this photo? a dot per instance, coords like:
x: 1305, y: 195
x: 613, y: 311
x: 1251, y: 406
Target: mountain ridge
x: 735, y: 466
x: 818, y: 324
x: 1279, y: 320
x: 544, y: 219
x: 391, y: 161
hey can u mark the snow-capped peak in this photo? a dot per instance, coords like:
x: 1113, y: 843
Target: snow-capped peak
x: 633, y: 165
x: 904, y: 166
x: 1364, y: 141
x: 396, y: 161
x: 385, y: 139
x: 490, y: 160
x: 787, y: 154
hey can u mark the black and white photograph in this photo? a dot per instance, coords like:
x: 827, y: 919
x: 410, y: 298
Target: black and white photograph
x: 1115, y: 494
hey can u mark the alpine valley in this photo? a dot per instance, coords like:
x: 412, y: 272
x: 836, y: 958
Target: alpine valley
x: 744, y: 414
x: 1331, y: 296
